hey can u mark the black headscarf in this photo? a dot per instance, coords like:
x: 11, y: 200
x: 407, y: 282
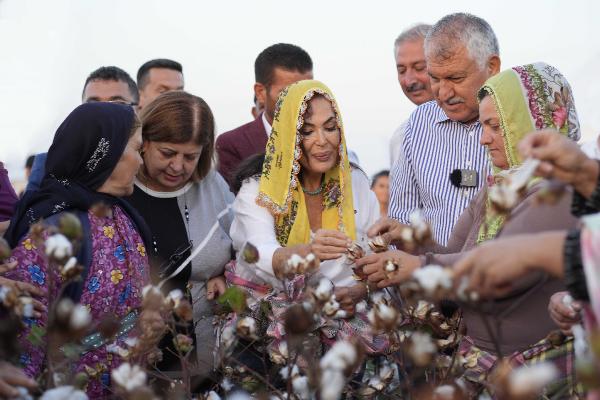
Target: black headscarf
x: 86, y: 148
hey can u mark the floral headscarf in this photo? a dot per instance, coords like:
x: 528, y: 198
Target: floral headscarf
x: 527, y: 98
x: 279, y: 188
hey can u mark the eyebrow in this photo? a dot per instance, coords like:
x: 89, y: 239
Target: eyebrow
x: 326, y: 122
x: 175, y: 151
x: 489, y: 120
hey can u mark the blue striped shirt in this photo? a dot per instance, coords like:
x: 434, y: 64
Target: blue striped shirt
x: 433, y: 147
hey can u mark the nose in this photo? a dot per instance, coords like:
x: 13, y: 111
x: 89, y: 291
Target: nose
x: 486, y: 137
x: 409, y: 77
x: 446, y: 91
x: 176, y: 163
x: 321, y: 138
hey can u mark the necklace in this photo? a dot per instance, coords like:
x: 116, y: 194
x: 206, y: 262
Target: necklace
x: 315, y: 192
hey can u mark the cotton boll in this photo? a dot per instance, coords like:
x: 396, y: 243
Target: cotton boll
x: 129, y: 377
x: 531, y: 379
x: 64, y: 393
x: 58, y: 247
x: 433, y: 277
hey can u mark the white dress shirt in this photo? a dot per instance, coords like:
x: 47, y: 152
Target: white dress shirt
x: 255, y: 224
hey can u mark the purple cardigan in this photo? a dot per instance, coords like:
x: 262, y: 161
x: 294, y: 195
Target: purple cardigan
x: 8, y: 197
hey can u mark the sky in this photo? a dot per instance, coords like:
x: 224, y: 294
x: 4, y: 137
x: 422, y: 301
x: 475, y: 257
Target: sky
x: 49, y: 47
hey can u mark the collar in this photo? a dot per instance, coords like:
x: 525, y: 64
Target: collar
x: 266, y: 124
x: 163, y: 195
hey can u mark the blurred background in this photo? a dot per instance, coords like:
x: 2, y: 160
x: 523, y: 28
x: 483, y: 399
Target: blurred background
x: 48, y: 48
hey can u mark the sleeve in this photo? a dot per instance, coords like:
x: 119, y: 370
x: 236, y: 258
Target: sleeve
x: 227, y: 201
x: 396, y: 142
x: 33, y: 268
x: 575, y: 278
x: 471, y: 216
x: 38, y: 170
x: 589, y: 253
x: 227, y: 158
x: 404, y: 192
x: 8, y: 197
x: 253, y: 223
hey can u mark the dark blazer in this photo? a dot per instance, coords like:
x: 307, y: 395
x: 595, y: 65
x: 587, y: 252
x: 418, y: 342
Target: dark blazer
x: 235, y: 146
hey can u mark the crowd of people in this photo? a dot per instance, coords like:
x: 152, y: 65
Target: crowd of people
x: 487, y: 163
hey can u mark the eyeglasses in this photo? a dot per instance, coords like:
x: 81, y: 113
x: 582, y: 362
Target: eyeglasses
x: 172, y: 263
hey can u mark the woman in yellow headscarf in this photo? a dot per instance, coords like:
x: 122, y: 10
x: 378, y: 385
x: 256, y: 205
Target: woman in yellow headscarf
x: 308, y: 198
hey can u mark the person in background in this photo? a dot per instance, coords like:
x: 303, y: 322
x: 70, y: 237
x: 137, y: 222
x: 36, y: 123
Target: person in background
x: 442, y: 165
x: 28, y: 165
x: 275, y: 68
x: 105, y: 84
x: 412, y: 76
x: 380, y: 186
x: 8, y: 199
x: 158, y: 76
x: 185, y: 203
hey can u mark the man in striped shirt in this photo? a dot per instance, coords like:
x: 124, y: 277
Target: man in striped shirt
x: 442, y: 136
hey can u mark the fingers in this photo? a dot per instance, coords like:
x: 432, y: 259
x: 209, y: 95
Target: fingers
x: 7, y: 267
x: 16, y: 377
x: 368, y: 259
x: 332, y: 242
x: 377, y: 277
x: 22, y: 286
x: 38, y: 308
x: 6, y: 390
x: 328, y: 252
x: 534, y: 140
x: 380, y: 226
x: 333, y: 234
x: 464, y: 266
x: 29, y: 288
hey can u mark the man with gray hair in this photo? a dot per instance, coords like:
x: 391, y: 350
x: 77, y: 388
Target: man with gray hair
x: 442, y: 165
x: 412, y: 76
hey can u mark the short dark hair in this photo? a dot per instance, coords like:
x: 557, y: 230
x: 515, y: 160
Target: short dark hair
x: 378, y: 175
x: 178, y: 117
x: 29, y: 161
x: 142, y: 74
x: 112, y: 73
x: 282, y: 55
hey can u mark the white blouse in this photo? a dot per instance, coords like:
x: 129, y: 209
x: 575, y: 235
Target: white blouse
x: 255, y: 224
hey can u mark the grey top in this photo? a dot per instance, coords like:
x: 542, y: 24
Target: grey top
x: 206, y: 200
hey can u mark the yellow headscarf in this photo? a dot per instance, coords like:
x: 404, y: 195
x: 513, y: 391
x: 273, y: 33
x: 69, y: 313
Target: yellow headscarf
x: 279, y: 188
x: 527, y: 98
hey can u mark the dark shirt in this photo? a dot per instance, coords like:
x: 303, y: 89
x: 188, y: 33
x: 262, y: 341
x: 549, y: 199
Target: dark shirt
x: 169, y: 237
x: 8, y: 197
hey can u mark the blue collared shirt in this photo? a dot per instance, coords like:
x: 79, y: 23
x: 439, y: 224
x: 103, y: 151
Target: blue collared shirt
x: 432, y: 148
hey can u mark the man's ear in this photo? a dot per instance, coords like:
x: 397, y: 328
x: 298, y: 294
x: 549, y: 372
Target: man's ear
x: 260, y: 91
x: 494, y: 64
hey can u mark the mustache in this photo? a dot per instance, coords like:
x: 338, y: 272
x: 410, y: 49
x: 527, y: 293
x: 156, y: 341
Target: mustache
x: 413, y: 87
x: 454, y: 100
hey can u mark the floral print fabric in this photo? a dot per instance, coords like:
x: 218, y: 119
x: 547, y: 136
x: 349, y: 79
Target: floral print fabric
x: 112, y: 288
